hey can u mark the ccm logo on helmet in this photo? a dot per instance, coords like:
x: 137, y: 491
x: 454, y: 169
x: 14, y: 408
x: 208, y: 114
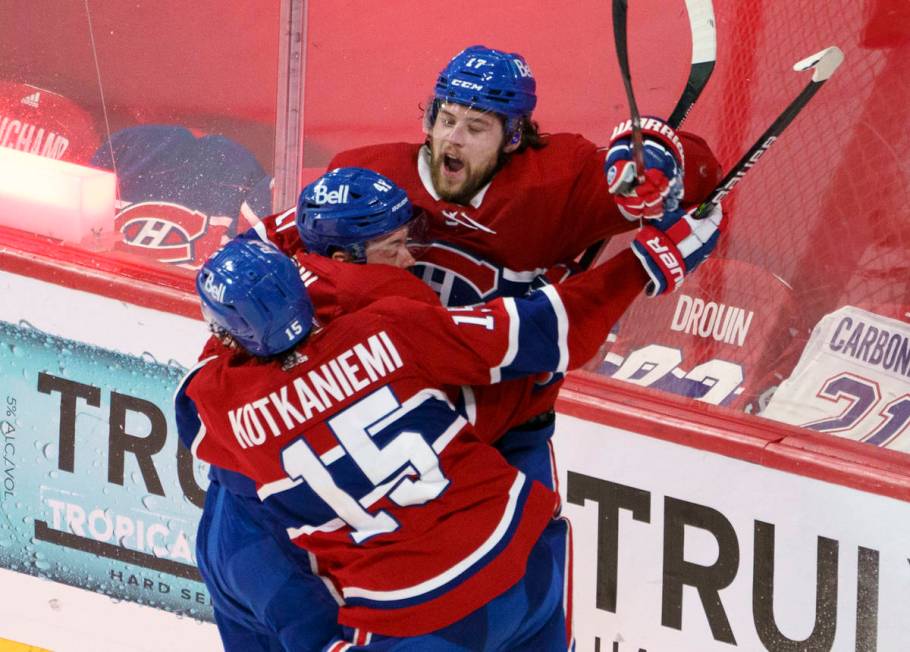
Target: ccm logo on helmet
x: 471, y: 86
x: 214, y: 290
x: 667, y: 258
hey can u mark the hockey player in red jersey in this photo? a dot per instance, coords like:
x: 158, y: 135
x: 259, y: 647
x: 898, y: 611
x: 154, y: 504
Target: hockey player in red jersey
x: 549, y: 199
x: 416, y: 523
x: 264, y: 595
x: 504, y: 203
x: 251, y: 569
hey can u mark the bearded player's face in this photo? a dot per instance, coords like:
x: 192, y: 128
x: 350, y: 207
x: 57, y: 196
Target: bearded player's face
x: 465, y: 145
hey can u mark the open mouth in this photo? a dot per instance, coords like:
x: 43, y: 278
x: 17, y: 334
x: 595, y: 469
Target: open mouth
x: 451, y: 163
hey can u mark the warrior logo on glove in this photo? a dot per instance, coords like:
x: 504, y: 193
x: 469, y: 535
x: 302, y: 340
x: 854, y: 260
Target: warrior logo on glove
x: 662, y: 189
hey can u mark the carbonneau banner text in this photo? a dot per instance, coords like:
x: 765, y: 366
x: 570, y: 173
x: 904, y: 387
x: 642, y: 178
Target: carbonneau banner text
x: 96, y: 491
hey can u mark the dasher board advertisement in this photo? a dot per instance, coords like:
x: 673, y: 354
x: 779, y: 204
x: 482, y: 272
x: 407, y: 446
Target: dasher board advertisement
x: 96, y: 493
x: 679, y: 549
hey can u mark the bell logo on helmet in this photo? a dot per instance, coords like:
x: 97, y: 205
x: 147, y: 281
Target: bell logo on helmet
x: 523, y: 68
x: 322, y: 195
x: 213, y: 289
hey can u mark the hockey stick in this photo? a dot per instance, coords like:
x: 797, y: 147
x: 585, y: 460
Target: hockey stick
x: 704, y: 55
x: 824, y: 64
x: 620, y: 10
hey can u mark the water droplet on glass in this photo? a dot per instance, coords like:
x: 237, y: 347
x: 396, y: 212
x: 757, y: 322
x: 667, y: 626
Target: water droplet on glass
x: 49, y: 451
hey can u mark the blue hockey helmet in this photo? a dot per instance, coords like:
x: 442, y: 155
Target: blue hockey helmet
x: 346, y: 208
x: 253, y: 292
x: 488, y: 80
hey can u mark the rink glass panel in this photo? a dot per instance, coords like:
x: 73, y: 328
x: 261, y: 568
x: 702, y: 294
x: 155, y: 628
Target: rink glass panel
x: 817, y: 225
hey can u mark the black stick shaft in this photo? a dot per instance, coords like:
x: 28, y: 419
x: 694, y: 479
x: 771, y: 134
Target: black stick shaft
x: 750, y: 158
x: 620, y: 12
x: 704, y: 48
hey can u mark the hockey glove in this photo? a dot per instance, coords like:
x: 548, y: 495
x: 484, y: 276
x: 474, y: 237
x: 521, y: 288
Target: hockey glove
x: 662, y: 188
x: 673, y: 246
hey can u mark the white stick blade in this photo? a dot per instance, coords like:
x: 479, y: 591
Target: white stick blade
x: 824, y: 62
x: 704, y: 30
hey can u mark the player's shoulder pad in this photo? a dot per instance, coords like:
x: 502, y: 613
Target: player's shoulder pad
x: 565, y: 141
x: 375, y: 157
x: 702, y: 167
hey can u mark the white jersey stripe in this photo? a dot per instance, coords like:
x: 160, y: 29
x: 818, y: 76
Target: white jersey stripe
x: 512, y: 348
x: 508, y: 517
x: 562, y: 325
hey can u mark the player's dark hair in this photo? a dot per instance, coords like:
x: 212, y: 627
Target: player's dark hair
x: 287, y: 358
x: 531, y: 136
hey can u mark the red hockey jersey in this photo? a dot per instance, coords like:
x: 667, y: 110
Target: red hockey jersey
x: 359, y: 454
x: 338, y: 288
x: 40, y: 122
x: 544, y: 207
x: 723, y: 338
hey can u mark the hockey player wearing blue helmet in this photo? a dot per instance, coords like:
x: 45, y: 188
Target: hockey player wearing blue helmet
x: 479, y: 114
x: 358, y: 216
x: 264, y: 595
x: 479, y: 130
x: 505, y: 202
x: 332, y: 479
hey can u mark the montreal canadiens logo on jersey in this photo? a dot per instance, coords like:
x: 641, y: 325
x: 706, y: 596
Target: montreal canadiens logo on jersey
x: 459, y: 278
x: 165, y: 232
x: 462, y: 279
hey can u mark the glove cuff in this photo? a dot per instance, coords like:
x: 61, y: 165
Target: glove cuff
x: 661, y: 259
x: 654, y: 129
